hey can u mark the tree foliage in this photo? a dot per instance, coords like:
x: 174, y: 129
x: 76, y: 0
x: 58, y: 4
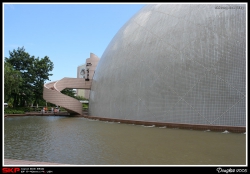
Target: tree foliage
x: 80, y: 98
x: 12, y: 81
x: 69, y: 92
x: 33, y: 71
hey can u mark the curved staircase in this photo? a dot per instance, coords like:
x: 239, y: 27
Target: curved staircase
x: 52, y: 93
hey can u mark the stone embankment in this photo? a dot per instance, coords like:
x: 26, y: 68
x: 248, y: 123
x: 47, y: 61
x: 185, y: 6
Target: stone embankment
x: 25, y: 162
x: 39, y: 114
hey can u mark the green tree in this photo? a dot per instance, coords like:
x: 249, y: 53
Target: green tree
x: 12, y: 81
x: 80, y: 98
x: 20, y: 61
x: 41, y: 69
x: 69, y: 92
x: 34, y: 72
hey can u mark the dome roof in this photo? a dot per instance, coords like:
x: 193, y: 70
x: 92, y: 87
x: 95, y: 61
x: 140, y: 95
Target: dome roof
x: 176, y: 63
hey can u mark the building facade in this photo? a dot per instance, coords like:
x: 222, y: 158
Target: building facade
x: 82, y: 92
x: 86, y: 71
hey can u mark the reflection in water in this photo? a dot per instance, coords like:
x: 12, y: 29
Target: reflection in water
x: 79, y: 141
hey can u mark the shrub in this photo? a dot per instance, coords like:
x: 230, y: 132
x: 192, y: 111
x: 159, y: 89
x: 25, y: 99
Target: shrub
x: 13, y: 111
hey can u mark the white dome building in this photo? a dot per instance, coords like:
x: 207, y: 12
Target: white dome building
x: 178, y: 65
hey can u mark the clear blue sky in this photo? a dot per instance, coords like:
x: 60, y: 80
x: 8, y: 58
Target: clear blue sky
x: 66, y: 33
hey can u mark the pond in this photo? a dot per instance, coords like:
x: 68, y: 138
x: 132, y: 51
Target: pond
x: 81, y: 141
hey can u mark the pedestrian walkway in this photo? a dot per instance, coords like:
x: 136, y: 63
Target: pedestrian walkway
x: 24, y: 162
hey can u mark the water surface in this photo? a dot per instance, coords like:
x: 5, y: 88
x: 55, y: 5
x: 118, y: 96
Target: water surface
x: 81, y: 141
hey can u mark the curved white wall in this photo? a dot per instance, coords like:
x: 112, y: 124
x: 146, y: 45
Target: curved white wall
x: 176, y: 63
